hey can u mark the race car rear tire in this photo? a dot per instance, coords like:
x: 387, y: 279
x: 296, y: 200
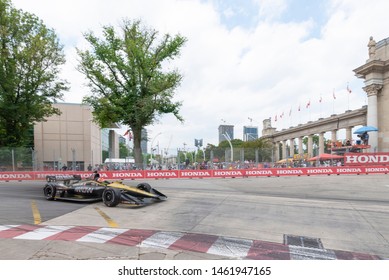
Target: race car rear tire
x: 144, y: 187
x: 49, y: 191
x: 111, y: 197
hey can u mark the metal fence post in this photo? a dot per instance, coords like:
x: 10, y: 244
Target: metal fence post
x: 13, y: 159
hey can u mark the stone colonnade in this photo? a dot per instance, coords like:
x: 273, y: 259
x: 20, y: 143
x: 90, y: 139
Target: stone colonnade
x: 294, y: 136
x: 287, y: 153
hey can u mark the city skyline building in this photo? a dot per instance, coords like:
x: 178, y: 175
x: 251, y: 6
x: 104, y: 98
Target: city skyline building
x: 226, y: 132
x: 250, y: 133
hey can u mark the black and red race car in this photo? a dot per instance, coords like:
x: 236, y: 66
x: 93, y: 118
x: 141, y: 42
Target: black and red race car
x: 73, y: 188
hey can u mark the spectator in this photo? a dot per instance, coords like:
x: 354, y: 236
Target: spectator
x: 365, y: 138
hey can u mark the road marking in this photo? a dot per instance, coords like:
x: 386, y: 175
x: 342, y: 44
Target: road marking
x: 231, y: 247
x: 108, y: 219
x: 305, y: 253
x: 162, y: 239
x: 102, y: 235
x: 42, y: 233
x: 179, y: 241
x: 35, y: 213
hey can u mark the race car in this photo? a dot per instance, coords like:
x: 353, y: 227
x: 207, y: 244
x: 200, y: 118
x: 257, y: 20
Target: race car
x: 73, y: 188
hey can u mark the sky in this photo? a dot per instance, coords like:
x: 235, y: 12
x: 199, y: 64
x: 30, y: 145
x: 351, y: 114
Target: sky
x: 244, y: 61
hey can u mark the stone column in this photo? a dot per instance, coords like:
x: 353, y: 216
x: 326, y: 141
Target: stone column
x: 291, y: 147
x: 310, y: 146
x: 301, y: 150
x: 333, y: 136
x: 284, y: 155
x: 277, y: 151
x: 348, y: 134
x: 372, y: 115
x: 321, y: 143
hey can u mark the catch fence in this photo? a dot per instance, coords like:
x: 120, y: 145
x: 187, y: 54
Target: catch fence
x: 27, y: 159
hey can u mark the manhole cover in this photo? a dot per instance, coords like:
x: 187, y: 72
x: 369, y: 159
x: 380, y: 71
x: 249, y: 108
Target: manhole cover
x: 302, y: 241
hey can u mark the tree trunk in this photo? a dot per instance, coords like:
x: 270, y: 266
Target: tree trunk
x: 137, y: 147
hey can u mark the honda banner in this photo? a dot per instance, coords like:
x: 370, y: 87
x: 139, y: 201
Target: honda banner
x: 351, y: 169
x: 366, y: 159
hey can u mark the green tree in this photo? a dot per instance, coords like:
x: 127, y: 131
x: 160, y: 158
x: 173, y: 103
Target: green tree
x: 30, y: 57
x: 260, y: 143
x: 264, y: 147
x: 236, y: 143
x: 129, y: 79
x: 124, y: 152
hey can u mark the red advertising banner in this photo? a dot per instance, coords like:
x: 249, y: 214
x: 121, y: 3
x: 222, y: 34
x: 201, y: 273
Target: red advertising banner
x: 189, y: 174
x: 16, y: 176
x: 218, y: 173
x: 123, y: 175
x: 366, y: 159
x: 163, y: 174
x: 221, y: 173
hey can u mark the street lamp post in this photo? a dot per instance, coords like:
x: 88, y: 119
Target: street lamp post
x: 152, y: 142
x: 228, y: 138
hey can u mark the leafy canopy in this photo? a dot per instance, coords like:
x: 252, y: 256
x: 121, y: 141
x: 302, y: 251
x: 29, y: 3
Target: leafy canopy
x: 30, y: 56
x: 126, y: 75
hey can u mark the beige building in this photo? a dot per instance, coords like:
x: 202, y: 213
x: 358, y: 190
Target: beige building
x: 375, y: 72
x: 72, y: 139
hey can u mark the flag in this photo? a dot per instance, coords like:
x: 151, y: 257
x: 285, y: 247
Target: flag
x: 321, y: 99
x: 128, y: 132
x: 299, y: 108
x: 333, y: 94
x: 290, y: 111
x: 308, y: 104
x: 348, y: 89
x: 275, y: 118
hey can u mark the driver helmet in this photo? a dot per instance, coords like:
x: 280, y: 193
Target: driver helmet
x: 100, y: 179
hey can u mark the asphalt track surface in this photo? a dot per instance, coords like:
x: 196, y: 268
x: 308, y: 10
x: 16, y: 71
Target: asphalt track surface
x: 316, y: 217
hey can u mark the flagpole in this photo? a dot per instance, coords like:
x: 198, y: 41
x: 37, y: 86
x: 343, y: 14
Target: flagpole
x: 290, y: 117
x: 348, y: 97
x: 333, y: 107
x: 299, y: 110
x: 308, y: 106
x: 320, y: 107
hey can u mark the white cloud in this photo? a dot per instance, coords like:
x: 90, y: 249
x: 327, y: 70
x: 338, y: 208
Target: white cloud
x: 271, y: 9
x: 237, y: 72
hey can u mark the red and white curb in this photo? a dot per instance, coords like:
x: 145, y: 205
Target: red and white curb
x: 203, y: 243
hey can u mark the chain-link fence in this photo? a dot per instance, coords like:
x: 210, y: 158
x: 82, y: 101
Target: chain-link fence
x: 26, y: 159
x: 17, y: 159
x: 217, y: 158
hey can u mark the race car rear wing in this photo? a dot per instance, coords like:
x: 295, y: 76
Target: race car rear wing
x: 65, y: 178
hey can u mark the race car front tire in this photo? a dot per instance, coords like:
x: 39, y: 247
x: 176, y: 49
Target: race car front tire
x: 111, y: 197
x: 144, y: 187
x: 49, y: 191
